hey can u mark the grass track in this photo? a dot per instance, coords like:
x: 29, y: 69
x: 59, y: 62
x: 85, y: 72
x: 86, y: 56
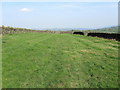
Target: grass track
x: 59, y: 60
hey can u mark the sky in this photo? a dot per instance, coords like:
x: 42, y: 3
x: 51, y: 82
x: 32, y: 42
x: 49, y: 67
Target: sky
x: 60, y: 0
x: 60, y: 14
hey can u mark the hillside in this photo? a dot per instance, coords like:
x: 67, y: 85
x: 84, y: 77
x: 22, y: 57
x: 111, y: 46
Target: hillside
x: 105, y: 30
x: 35, y: 60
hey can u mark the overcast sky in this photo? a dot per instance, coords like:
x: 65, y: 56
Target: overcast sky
x: 60, y: 14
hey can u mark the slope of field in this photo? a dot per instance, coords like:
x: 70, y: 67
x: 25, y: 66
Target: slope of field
x: 59, y: 60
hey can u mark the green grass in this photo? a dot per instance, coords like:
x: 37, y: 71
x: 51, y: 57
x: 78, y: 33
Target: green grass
x: 34, y: 60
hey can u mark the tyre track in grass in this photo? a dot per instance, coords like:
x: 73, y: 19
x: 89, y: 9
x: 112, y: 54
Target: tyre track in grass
x: 61, y: 69
x: 46, y: 64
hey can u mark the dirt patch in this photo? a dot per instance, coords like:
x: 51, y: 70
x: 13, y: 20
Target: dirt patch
x: 110, y: 48
x: 88, y: 51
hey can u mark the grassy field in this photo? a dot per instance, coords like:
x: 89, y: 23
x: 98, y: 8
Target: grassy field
x: 37, y: 60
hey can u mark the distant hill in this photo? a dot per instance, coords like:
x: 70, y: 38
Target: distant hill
x: 105, y: 30
x: 61, y: 29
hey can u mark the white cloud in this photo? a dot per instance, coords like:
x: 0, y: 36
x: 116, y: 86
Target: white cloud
x: 25, y: 10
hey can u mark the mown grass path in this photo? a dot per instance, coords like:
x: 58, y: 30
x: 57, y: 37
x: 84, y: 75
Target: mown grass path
x: 59, y: 60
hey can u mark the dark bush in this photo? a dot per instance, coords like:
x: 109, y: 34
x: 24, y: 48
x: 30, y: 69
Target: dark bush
x: 115, y: 36
x: 80, y: 33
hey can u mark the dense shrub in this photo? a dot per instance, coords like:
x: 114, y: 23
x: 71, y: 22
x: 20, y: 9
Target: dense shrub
x: 115, y: 36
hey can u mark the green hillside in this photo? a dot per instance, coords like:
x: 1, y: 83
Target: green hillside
x: 39, y: 60
x: 105, y: 30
